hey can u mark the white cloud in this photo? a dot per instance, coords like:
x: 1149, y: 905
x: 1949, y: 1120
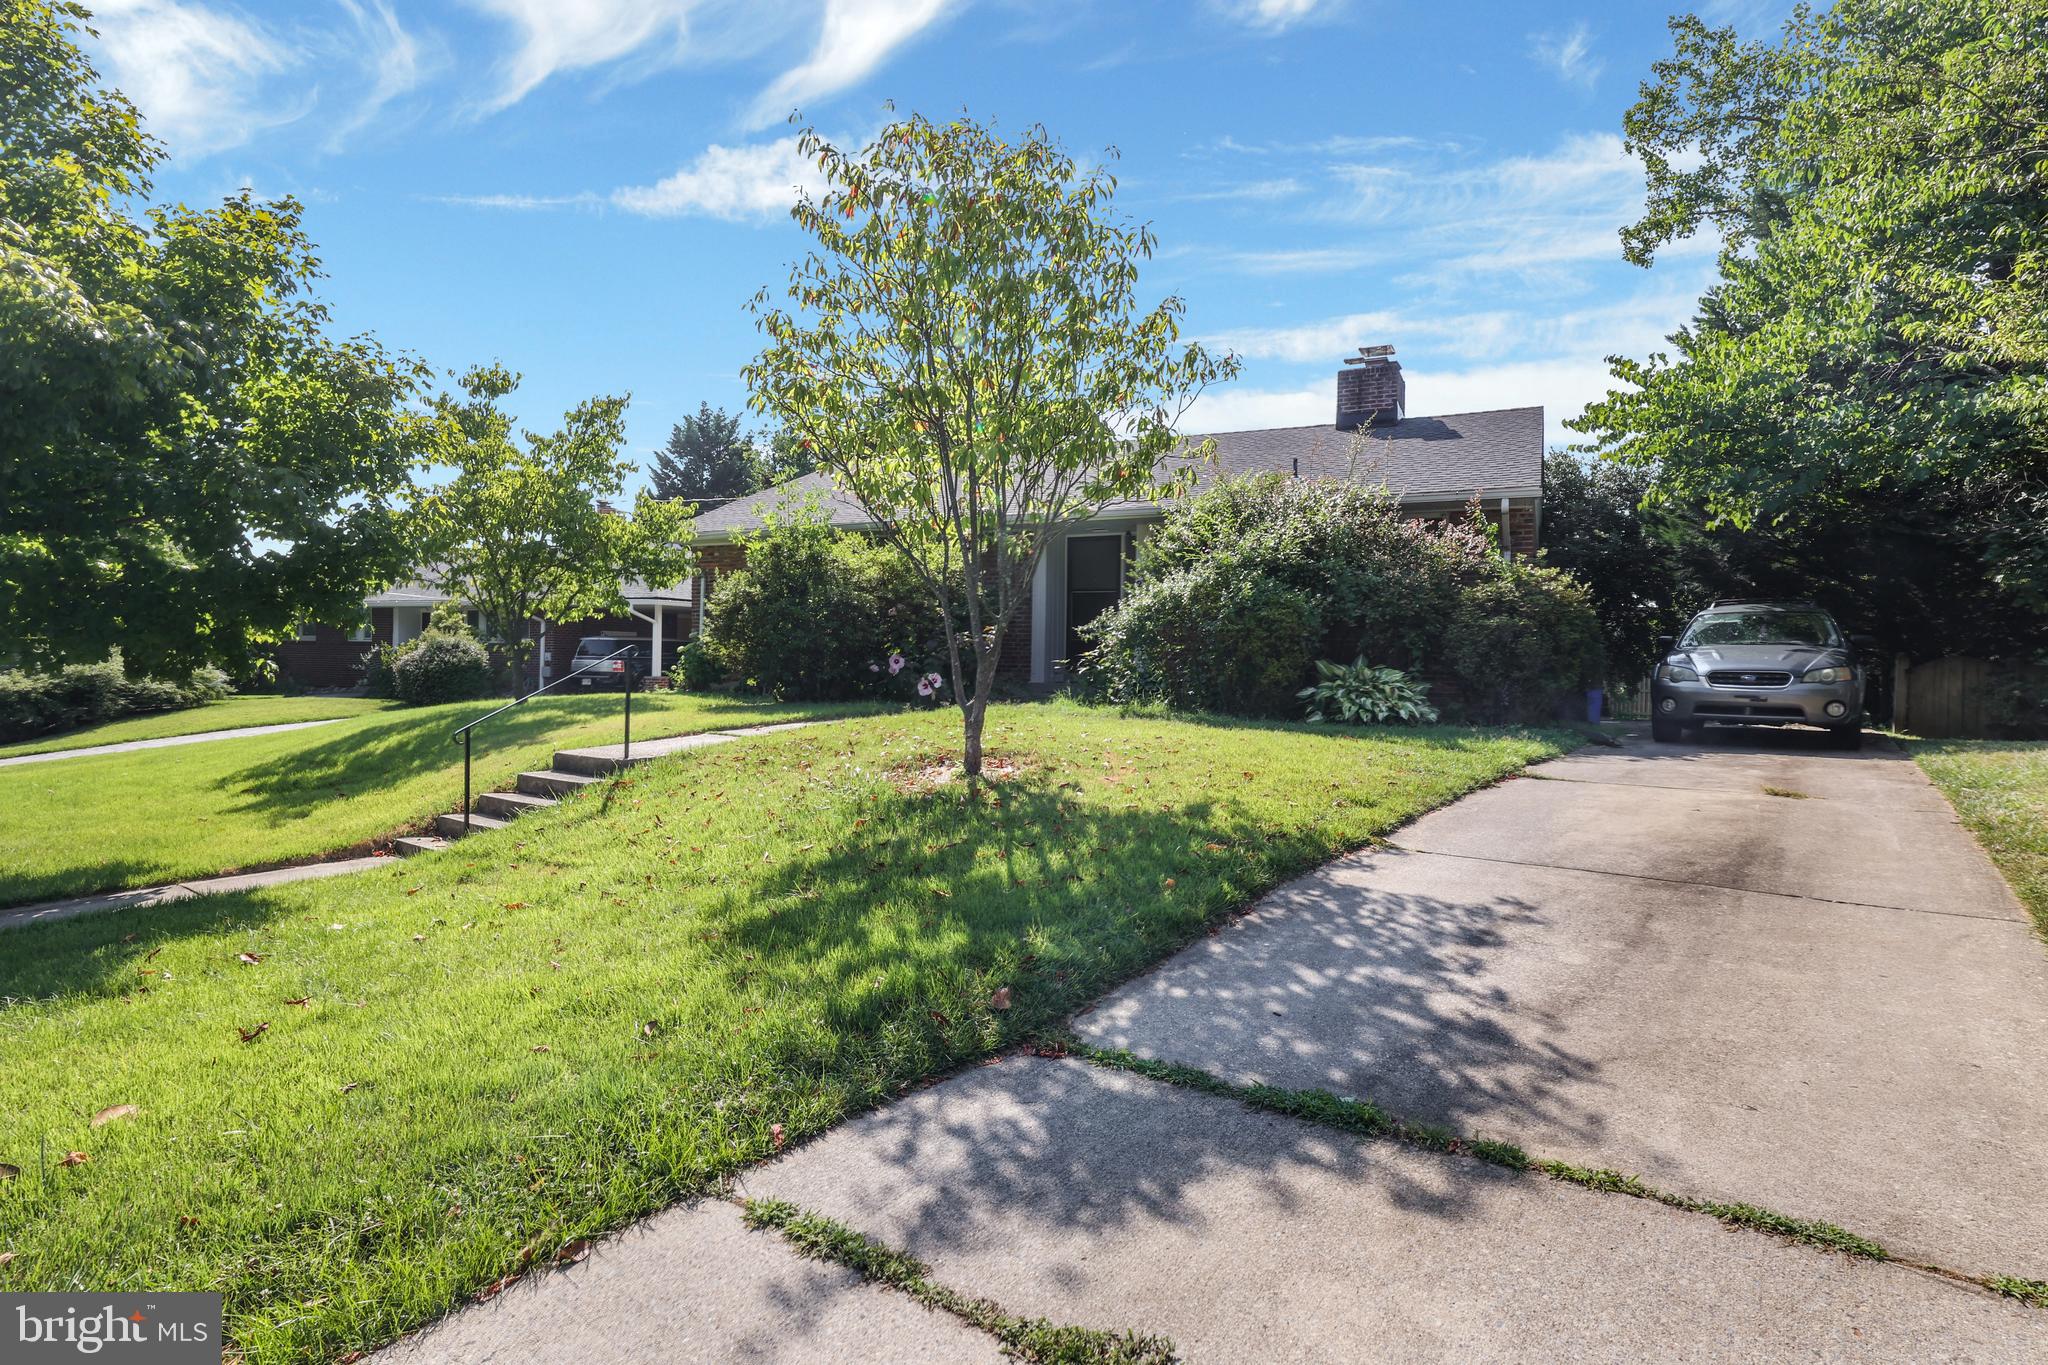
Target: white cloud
x: 394, y: 60
x: 1274, y: 15
x: 727, y: 182
x: 1570, y: 55
x: 523, y: 203
x: 555, y: 35
x: 194, y: 71
x: 855, y: 38
x: 1285, y: 187
x: 1234, y: 407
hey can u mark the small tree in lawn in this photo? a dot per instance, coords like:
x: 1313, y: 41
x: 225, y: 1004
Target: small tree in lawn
x: 526, y: 533
x: 964, y: 355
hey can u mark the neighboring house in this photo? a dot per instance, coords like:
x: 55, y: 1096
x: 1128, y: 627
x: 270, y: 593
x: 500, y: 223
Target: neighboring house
x: 332, y: 656
x: 1437, y: 466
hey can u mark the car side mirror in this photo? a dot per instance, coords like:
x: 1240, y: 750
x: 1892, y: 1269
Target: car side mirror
x: 1665, y: 643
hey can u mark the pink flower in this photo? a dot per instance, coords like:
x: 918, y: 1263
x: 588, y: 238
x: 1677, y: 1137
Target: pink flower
x: 877, y: 668
x: 895, y: 664
x: 935, y: 682
x: 924, y: 686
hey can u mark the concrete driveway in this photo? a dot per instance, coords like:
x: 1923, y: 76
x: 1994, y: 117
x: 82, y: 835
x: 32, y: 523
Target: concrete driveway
x: 1825, y: 1001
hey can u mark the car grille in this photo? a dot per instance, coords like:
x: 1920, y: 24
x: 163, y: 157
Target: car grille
x: 1728, y: 677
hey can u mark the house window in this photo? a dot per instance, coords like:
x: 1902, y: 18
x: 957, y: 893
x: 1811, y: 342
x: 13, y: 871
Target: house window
x: 306, y: 634
x: 1095, y: 583
x: 361, y: 633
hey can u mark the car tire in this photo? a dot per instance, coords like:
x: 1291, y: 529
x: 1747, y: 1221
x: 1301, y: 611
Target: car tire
x: 1845, y: 737
x: 1666, y: 731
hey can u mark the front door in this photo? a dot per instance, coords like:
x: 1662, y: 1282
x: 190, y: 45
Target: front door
x: 1095, y: 583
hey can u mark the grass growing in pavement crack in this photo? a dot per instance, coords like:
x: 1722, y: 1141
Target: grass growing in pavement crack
x: 1807, y: 1230
x: 1032, y: 1339
x: 2033, y: 1293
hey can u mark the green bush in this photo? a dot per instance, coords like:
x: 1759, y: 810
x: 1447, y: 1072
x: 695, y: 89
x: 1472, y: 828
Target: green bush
x: 817, y: 615
x: 1242, y: 588
x: 444, y: 662
x: 1524, y: 644
x: 34, y: 704
x: 1207, y: 637
x: 696, y: 668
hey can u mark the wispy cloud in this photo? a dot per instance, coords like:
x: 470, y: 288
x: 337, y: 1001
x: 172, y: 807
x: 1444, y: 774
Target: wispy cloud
x: 1274, y: 15
x: 519, y: 203
x: 1260, y: 191
x: 757, y: 181
x: 394, y: 59
x: 856, y: 37
x: 1569, y: 55
x: 195, y: 72
x: 552, y: 36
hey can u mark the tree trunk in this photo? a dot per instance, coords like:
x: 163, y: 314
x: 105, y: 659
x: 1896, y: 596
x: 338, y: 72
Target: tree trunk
x: 977, y: 712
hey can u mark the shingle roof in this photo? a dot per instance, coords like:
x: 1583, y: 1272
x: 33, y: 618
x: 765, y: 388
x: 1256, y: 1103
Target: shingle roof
x: 1455, y: 455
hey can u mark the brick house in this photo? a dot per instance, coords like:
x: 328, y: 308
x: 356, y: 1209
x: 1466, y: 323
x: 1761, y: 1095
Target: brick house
x: 1438, y: 467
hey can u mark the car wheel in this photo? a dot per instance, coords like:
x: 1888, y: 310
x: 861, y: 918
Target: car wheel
x: 1846, y: 737
x: 1666, y: 731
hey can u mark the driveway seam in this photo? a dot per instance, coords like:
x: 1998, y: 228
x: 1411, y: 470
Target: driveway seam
x: 1710, y: 886
x: 1759, y: 793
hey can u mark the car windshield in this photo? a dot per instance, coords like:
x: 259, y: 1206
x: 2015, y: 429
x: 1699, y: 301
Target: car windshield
x: 1760, y: 627
x: 598, y: 649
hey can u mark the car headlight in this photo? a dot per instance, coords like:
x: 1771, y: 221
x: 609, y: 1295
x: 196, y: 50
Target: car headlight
x: 1830, y: 675
x: 1680, y: 673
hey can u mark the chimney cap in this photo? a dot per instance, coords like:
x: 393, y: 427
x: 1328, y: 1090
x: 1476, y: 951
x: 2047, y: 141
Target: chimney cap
x: 1367, y: 354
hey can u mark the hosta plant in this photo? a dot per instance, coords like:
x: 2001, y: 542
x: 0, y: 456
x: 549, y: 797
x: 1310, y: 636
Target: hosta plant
x: 1361, y: 694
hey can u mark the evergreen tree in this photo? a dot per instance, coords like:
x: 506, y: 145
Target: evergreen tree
x: 706, y: 458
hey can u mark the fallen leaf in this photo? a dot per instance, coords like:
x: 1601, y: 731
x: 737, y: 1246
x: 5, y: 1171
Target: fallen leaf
x: 251, y: 958
x: 8, y: 1172
x: 554, y: 964
x: 151, y: 954
x: 1213, y: 848
x: 412, y: 891
x: 5, y: 1257
x: 515, y: 905
x: 301, y: 1000
x: 350, y: 1086
x: 575, y: 1251
x: 74, y: 1159
x: 943, y: 1021
x: 187, y: 1220
x: 776, y: 1135
x: 127, y: 938
x: 542, y: 1047
x: 1171, y: 883
x: 1000, y: 1000
x: 650, y: 1028
x: 250, y: 1035
x: 419, y: 938
x: 113, y: 1112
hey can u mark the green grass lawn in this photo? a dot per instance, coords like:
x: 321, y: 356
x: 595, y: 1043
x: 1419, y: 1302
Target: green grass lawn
x: 2000, y: 788
x: 108, y: 821
x: 229, y: 714
x: 457, y: 1066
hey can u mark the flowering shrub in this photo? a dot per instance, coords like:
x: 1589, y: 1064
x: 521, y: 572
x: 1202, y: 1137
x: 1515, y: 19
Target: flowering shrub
x: 819, y: 615
x: 1360, y: 694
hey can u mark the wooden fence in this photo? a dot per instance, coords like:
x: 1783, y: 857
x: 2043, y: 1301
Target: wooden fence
x: 1942, y: 698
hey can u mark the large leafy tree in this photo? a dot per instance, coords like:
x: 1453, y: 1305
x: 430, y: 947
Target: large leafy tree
x: 706, y: 458
x: 527, y: 531
x: 964, y: 353
x: 1875, y: 355
x: 188, y: 462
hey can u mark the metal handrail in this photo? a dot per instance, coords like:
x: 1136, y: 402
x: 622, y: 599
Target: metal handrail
x: 462, y: 735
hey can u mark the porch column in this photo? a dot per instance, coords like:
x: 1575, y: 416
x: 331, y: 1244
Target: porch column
x: 659, y: 613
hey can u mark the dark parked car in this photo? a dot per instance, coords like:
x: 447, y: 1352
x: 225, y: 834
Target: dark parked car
x: 594, y: 652
x: 1759, y: 663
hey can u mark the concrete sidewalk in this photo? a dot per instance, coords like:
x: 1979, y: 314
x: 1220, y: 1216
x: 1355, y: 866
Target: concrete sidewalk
x: 150, y: 896
x: 169, y: 741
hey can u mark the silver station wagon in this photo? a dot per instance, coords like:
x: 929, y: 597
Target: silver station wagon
x: 1759, y: 663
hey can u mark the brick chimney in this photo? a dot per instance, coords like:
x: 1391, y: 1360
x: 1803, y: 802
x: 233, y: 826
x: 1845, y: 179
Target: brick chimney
x: 1370, y: 389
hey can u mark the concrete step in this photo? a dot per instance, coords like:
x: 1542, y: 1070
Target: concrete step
x: 451, y: 826
x: 556, y: 784
x: 609, y: 758
x: 415, y: 844
x: 511, y: 805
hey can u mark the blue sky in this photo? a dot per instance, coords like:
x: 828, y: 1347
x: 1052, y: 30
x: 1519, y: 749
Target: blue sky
x: 589, y: 190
